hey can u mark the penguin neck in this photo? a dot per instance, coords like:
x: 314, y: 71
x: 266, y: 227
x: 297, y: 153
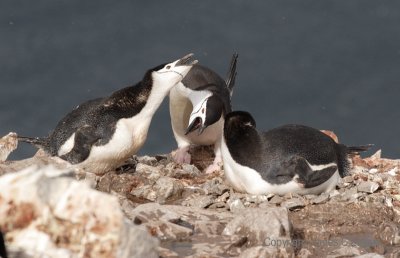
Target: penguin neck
x: 158, y: 92
x: 242, y: 144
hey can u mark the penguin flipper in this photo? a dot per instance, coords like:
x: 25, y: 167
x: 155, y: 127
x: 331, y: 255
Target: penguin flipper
x: 298, y: 166
x: 309, y: 177
x: 231, y: 76
x: 83, y: 142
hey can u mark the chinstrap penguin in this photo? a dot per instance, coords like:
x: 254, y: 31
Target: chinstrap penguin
x: 100, y: 134
x: 287, y: 159
x: 198, y: 105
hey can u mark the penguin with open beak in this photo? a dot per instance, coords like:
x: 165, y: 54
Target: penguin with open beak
x: 100, y: 134
x: 198, y: 105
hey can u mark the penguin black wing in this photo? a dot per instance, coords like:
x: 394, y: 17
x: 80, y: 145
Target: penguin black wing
x: 284, y: 152
x: 94, y: 121
x: 288, y: 140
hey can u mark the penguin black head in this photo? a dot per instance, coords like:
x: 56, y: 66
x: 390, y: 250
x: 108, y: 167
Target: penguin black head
x: 167, y: 73
x: 205, y: 113
x: 239, y: 121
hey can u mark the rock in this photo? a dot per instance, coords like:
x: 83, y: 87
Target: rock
x: 322, y: 198
x: 56, y: 216
x: 370, y: 255
x: 389, y: 233
x: 349, y: 195
x: 202, y: 201
x: 118, y: 183
x: 8, y: 144
x: 304, y: 253
x: 215, y: 186
x: 251, y: 223
x: 223, y: 197
x: 368, y: 187
x: 235, y: 205
x: 347, y: 179
x: 147, y: 160
x: 276, y: 199
x: 173, y: 222
x: 346, y: 249
x: 145, y: 192
x: 333, y: 193
x: 263, y: 251
x: 149, y: 172
x: 293, y: 204
x: 255, y: 198
x: 191, y: 169
x: 167, y: 187
x: 187, y: 171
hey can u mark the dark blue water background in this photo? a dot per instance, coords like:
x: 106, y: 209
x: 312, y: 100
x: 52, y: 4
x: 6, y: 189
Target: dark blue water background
x: 328, y: 64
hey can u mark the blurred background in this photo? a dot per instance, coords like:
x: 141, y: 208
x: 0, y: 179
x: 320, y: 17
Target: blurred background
x: 328, y: 64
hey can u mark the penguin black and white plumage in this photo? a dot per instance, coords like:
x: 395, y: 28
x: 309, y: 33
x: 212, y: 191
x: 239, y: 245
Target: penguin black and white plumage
x: 100, y: 134
x: 198, y: 105
x: 287, y: 159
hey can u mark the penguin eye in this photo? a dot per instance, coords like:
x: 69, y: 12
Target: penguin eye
x: 168, y: 67
x: 202, y: 111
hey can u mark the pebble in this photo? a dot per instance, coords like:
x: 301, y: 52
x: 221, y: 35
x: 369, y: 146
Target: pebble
x: 293, y: 204
x: 235, y: 205
x: 147, y: 160
x: 167, y: 187
x: 367, y: 187
x: 389, y: 233
x: 215, y: 186
x: 202, y: 201
x: 256, y: 198
x: 393, y: 171
x: 349, y: 195
x: 276, y: 199
x: 322, y: 198
x: 150, y: 172
x: 347, y: 179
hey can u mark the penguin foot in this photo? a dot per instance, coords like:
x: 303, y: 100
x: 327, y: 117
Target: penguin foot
x: 215, y: 166
x: 182, y: 156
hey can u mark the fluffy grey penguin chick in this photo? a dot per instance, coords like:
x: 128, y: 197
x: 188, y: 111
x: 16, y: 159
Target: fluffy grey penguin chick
x: 287, y: 159
x: 100, y: 134
x: 198, y: 105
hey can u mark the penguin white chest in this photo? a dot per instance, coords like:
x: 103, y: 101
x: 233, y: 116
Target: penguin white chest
x: 129, y: 136
x: 209, y: 136
x: 180, y: 110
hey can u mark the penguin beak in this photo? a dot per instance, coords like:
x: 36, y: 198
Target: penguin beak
x: 197, y: 123
x: 186, y: 60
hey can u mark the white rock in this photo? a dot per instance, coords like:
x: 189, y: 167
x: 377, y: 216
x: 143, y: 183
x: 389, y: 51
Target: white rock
x: 8, y: 144
x: 260, y: 225
x: 367, y: 187
x: 48, y: 205
x: 373, y: 171
x: 393, y: 171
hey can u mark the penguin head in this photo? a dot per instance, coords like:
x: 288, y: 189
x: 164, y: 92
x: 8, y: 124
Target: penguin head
x: 172, y: 73
x: 239, y: 122
x: 206, y: 112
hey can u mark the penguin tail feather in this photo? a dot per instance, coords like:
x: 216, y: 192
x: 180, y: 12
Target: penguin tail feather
x: 354, y: 150
x: 231, y: 76
x: 36, y: 141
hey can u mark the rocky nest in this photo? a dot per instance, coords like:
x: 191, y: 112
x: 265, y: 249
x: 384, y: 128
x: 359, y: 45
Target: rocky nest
x: 153, y: 207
